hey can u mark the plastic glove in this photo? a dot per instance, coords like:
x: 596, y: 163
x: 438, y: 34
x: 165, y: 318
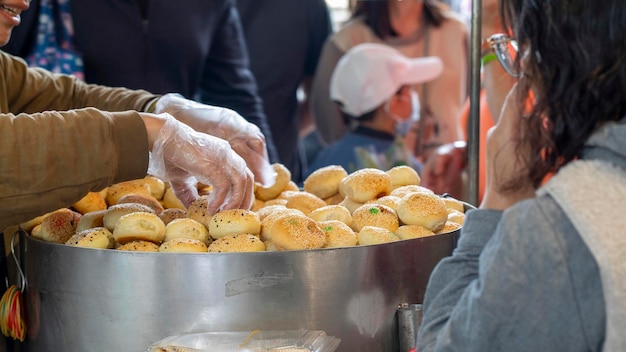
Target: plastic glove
x: 185, y: 157
x: 244, y: 137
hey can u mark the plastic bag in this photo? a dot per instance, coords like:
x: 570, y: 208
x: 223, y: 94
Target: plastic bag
x: 249, y: 341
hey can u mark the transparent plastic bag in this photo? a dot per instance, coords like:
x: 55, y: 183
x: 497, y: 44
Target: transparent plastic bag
x: 249, y: 341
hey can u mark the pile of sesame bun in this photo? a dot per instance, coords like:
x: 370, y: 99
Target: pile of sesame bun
x: 333, y: 208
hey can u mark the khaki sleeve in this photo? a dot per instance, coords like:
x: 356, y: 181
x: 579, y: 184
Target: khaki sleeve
x: 50, y: 160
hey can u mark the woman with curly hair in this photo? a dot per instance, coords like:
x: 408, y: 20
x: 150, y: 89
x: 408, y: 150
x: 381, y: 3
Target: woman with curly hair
x: 540, y: 267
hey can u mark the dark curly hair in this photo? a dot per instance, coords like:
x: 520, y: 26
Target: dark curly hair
x: 574, y: 74
x: 376, y: 15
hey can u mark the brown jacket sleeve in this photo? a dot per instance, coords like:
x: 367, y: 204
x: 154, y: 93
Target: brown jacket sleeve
x: 51, y: 159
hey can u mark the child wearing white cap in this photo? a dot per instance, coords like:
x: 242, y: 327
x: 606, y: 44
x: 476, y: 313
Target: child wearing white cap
x: 373, y: 86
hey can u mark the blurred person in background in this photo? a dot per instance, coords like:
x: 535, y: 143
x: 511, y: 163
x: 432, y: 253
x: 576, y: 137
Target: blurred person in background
x: 373, y: 85
x: 540, y: 266
x: 445, y: 171
x: 197, y: 50
x: 416, y: 28
x: 62, y: 138
x: 285, y: 39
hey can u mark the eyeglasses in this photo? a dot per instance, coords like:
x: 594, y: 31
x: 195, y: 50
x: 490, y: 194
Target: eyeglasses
x: 506, y: 50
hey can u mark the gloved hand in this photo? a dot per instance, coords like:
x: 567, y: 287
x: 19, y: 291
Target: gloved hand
x: 185, y: 157
x: 244, y: 137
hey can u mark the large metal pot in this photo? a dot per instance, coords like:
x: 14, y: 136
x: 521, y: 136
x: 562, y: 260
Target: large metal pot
x: 81, y: 299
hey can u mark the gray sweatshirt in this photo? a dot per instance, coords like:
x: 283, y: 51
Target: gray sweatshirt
x: 523, y: 279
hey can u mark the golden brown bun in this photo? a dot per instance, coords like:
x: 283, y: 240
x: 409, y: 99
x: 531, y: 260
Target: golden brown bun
x: 390, y: 201
x: 204, y: 190
x: 257, y: 204
x: 114, y: 212
x: 303, y: 201
x: 198, y: 210
x: 406, y: 232
x: 338, y: 234
x: 187, y: 228
x: 367, y: 184
x: 237, y: 243
x: 59, y: 225
x: 139, y: 226
x: 92, y: 201
x: 171, y: 201
x: 276, y: 201
x: 91, y: 220
x: 334, y: 199
x: 375, y: 235
x: 269, y: 209
x: 377, y: 215
x: 350, y: 204
x: 425, y: 209
x: 30, y: 224
x: 148, y: 201
x: 183, y: 245
x: 171, y: 214
x: 156, y: 185
x: 270, y: 246
x: 268, y: 221
x: 449, y: 226
x: 97, y: 237
x: 456, y: 216
x: 403, y: 175
x: 234, y: 221
x: 332, y: 212
x: 454, y: 204
x: 294, y: 232
x: 408, y: 189
x: 324, y: 182
x: 283, y: 176
x: 291, y: 186
x: 35, y: 232
x: 139, y: 246
x: 118, y: 190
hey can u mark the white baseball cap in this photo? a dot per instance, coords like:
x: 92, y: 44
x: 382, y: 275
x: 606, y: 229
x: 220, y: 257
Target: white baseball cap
x: 369, y: 74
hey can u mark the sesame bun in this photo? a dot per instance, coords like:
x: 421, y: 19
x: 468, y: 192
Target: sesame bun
x: 237, y: 243
x: 454, y: 204
x: 408, y: 189
x: 370, y: 235
x: 456, y: 216
x: 171, y: 201
x: 324, y: 182
x: 332, y: 212
x: 390, y: 201
x: 350, y: 204
x: 367, y: 184
x: 334, y: 199
x: 156, y: 186
x: 115, y: 212
x: 183, y: 245
x: 406, y: 232
x: 425, y: 209
x: 92, y: 201
x: 377, y: 215
x: 403, y: 175
x: 139, y: 226
x: 198, y: 210
x: 91, y: 220
x: 268, y: 221
x: 295, y: 232
x: 98, y: 237
x: 171, y: 214
x: 234, y: 221
x: 338, y: 234
x: 303, y: 201
x: 187, y: 228
x: 139, y: 246
x: 283, y: 176
x: 118, y: 190
x: 269, y: 209
x: 146, y: 200
x: 59, y: 225
x: 449, y: 226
